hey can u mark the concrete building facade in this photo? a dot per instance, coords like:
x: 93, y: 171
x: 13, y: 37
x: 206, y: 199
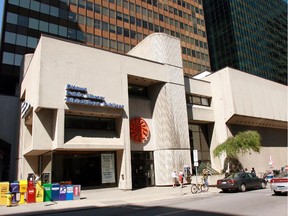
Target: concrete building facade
x: 79, y: 105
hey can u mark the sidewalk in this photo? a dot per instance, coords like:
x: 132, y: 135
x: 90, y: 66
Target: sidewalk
x: 107, y: 197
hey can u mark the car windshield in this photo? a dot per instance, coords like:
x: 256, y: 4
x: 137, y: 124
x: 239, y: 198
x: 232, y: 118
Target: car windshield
x: 283, y: 174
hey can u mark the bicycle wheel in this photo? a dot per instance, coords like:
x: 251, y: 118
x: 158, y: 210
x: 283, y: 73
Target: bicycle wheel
x: 204, y: 188
x: 194, y: 188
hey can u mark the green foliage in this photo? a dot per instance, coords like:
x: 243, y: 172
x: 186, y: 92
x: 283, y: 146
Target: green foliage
x: 243, y: 142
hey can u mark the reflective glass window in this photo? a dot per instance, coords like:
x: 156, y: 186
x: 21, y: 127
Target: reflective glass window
x: 71, y: 33
x: 89, y: 22
x: 80, y: 36
x: 54, y: 11
x: 35, y: 5
x: 97, y: 24
x: 81, y: 3
x: 43, y: 26
x: 104, y: 26
x: 81, y: 19
x: 63, y: 31
x: 10, y: 37
x: 63, y: 13
x: 105, y: 11
x: 97, y: 40
x: 44, y: 8
x: 18, y: 59
x: 105, y: 42
x: 120, y: 46
x: 32, y: 42
x: 113, y: 44
x: 112, y: 28
x: 112, y: 13
x: 97, y: 8
x: 8, y: 58
x: 14, y: 2
x: 126, y: 32
x: 25, y: 4
x: 21, y: 40
x: 23, y: 21
x: 33, y: 23
x: 53, y: 28
x: 72, y: 16
x: 89, y: 38
x: 132, y: 20
x: 126, y: 18
x: 89, y: 6
x: 119, y: 30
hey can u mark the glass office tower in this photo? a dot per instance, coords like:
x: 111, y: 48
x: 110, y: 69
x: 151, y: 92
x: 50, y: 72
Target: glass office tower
x: 115, y: 25
x: 248, y: 35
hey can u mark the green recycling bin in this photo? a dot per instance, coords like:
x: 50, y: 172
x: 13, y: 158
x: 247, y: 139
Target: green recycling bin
x: 47, y: 192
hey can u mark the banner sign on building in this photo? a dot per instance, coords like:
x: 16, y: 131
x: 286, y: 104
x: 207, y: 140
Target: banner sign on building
x: 79, y: 95
x: 108, y: 168
x: 25, y: 109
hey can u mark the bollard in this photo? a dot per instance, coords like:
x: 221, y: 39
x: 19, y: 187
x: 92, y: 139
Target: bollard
x: 9, y: 199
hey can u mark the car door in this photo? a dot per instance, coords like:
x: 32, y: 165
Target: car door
x: 248, y: 180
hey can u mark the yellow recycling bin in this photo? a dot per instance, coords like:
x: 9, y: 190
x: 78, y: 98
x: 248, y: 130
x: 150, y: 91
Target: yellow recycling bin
x: 23, y: 191
x: 39, y: 192
x: 4, y: 188
x: 9, y: 199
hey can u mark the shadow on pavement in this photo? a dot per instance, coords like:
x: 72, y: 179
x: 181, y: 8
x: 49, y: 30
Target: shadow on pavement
x: 125, y: 210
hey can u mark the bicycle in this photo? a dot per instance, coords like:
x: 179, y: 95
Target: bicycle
x: 199, y: 187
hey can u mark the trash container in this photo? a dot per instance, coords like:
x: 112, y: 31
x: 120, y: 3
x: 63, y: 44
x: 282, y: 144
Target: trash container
x: 76, y: 192
x: 23, y: 191
x: 55, y: 191
x: 4, y: 188
x: 62, y: 192
x: 69, y: 192
x: 47, y: 192
x: 9, y: 196
x: 39, y: 192
x: 14, y: 189
x: 31, y: 194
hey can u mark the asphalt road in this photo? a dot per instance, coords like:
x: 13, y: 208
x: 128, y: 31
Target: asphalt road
x: 252, y: 203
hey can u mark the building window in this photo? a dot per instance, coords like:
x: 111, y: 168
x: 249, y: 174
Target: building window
x: 198, y: 100
x: 137, y: 90
x: 89, y: 123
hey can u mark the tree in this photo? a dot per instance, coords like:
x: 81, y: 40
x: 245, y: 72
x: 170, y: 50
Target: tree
x: 243, y: 142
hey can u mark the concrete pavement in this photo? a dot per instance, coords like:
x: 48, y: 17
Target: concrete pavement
x: 106, y: 197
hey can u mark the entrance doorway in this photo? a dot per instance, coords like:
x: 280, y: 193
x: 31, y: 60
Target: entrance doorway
x: 143, y: 174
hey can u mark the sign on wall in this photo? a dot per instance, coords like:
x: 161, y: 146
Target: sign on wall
x: 80, y: 95
x: 108, y: 168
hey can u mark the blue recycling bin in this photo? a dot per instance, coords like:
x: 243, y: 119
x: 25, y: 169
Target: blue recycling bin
x: 55, y: 191
x: 62, y: 192
x: 14, y: 189
x: 69, y: 192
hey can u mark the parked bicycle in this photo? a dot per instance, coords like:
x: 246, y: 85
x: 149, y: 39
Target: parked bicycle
x: 199, y: 187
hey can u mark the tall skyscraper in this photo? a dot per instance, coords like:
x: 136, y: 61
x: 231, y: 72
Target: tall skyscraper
x: 115, y: 25
x: 248, y: 35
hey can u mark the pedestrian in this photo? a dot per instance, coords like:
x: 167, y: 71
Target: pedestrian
x: 180, y: 177
x: 253, y: 171
x: 205, y: 175
x: 174, y: 178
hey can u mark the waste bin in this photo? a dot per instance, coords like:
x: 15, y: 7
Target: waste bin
x: 55, y: 191
x: 14, y: 189
x: 4, y: 188
x: 69, y: 192
x: 31, y: 194
x: 76, y: 192
x: 39, y: 192
x: 23, y: 191
x: 62, y: 192
x: 47, y: 192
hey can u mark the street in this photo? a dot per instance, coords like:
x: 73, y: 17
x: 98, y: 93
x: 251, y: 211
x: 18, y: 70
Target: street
x: 250, y: 203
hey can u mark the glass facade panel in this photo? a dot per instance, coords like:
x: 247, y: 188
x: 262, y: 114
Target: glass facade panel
x: 10, y: 37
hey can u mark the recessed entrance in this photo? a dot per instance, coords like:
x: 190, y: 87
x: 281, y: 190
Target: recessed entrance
x: 143, y: 174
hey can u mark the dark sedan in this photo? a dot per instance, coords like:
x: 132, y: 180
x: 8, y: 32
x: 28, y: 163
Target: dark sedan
x: 241, y: 181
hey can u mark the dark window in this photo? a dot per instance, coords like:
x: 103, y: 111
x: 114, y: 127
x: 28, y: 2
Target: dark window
x: 198, y: 100
x: 89, y: 123
x: 137, y: 90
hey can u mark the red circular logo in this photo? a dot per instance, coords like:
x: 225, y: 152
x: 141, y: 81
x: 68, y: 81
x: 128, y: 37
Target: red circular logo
x: 139, y: 130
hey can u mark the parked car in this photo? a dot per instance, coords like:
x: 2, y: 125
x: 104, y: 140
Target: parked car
x: 241, y: 181
x: 279, y: 184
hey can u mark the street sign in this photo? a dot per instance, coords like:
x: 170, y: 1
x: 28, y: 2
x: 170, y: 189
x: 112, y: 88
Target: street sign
x: 195, y: 157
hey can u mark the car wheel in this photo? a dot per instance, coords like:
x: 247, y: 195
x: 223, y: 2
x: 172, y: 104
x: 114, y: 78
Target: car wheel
x: 263, y: 185
x: 242, y: 188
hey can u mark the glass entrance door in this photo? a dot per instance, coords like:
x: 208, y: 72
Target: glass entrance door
x: 142, y: 169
